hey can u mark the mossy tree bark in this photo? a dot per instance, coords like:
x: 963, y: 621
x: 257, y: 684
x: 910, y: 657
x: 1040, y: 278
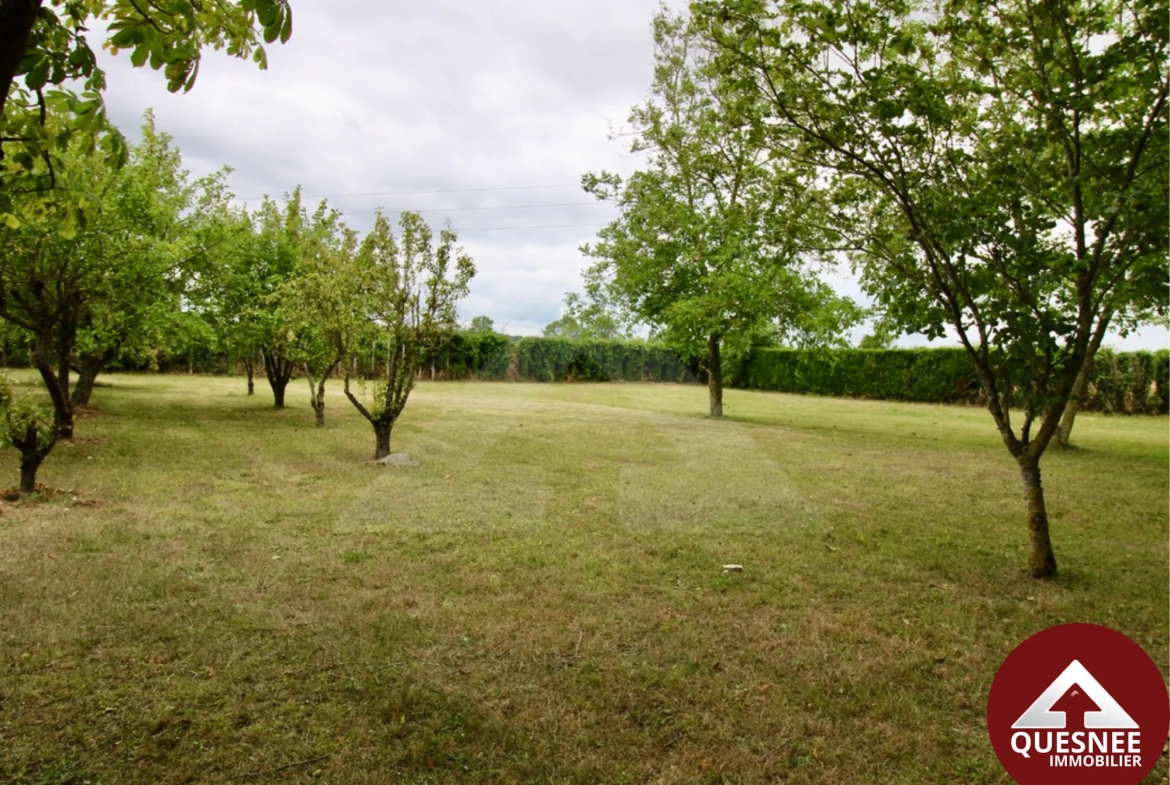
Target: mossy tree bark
x: 1041, y: 561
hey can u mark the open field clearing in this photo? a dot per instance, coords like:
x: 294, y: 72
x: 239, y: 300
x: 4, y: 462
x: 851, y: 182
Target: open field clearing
x: 230, y: 595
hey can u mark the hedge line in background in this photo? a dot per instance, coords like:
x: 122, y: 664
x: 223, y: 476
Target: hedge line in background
x: 1133, y: 382
x: 561, y: 359
x: 466, y: 355
x: 926, y: 375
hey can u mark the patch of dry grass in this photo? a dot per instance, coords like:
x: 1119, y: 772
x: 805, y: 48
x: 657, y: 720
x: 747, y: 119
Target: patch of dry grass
x: 542, y: 600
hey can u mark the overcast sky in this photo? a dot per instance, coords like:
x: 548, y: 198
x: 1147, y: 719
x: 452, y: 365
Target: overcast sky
x: 485, y: 113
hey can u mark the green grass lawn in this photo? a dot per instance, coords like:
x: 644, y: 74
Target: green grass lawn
x: 229, y: 595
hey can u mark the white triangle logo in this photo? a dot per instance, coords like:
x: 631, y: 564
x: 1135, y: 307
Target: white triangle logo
x: 1040, y: 714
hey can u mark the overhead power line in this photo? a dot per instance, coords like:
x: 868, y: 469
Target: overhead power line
x: 474, y: 229
x: 472, y: 209
x: 441, y: 191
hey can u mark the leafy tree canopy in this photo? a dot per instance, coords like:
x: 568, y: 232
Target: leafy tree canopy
x: 46, y: 53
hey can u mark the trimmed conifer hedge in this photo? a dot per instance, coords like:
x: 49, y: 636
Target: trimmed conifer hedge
x: 926, y: 375
x: 1131, y: 382
x: 561, y: 359
x: 465, y: 355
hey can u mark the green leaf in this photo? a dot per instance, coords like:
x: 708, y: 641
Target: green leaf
x: 286, y: 27
x: 123, y: 38
x: 35, y: 79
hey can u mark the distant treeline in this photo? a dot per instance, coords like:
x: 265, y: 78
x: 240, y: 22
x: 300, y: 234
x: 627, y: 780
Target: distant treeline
x: 1122, y: 382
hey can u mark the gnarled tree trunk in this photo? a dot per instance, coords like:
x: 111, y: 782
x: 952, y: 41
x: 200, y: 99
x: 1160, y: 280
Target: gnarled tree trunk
x: 715, y: 374
x: 56, y: 383
x: 382, y: 431
x: 32, y: 454
x: 89, y: 366
x: 279, y: 370
x: 383, y: 423
x: 1041, y: 561
x: 28, y: 473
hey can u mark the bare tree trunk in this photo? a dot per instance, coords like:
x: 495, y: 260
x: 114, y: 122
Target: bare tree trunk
x: 57, y: 386
x: 317, y: 389
x: 32, y: 454
x: 1080, y: 391
x: 1042, y: 561
x: 250, y: 367
x: 28, y: 475
x: 279, y: 370
x: 715, y: 375
x: 382, y: 436
x: 89, y: 366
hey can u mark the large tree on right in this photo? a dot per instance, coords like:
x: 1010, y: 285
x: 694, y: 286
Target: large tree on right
x: 1000, y: 170
x: 713, y: 245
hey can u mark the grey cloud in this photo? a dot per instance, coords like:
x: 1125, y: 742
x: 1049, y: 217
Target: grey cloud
x: 371, y: 96
x: 393, y: 96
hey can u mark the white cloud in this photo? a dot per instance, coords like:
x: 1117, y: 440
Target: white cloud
x: 371, y: 99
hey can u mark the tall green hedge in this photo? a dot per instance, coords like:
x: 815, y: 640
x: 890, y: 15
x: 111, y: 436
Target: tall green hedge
x: 1133, y: 382
x: 934, y: 375
x: 1130, y: 382
x: 464, y: 355
x: 561, y: 359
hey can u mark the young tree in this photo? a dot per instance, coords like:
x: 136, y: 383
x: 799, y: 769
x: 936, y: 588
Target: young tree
x: 245, y: 291
x: 712, y: 242
x: 408, y: 293
x: 481, y: 324
x: 30, y: 429
x: 152, y: 250
x: 589, y: 318
x: 320, y: 307
x: 222, y: 292
x: 1004, y: 164
x: 46, y: 275
x: 87, y: 292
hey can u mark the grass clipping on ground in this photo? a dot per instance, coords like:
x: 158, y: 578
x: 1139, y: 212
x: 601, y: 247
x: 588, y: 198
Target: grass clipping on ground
x: 544, y: 598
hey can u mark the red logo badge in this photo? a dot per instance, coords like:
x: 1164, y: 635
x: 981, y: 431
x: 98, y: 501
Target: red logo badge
x: 1078, y: 704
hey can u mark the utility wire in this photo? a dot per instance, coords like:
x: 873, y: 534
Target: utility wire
x: 420, y: 193
x: 471, y: 209
x: 517, y: 228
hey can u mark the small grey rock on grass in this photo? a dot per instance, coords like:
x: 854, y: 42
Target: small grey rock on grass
x: 397, y: 459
